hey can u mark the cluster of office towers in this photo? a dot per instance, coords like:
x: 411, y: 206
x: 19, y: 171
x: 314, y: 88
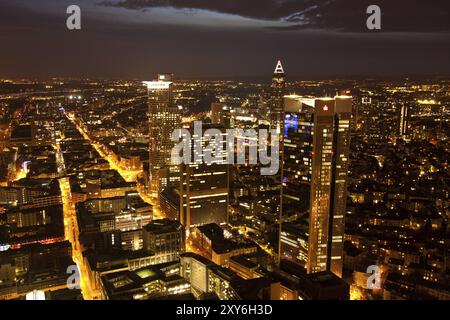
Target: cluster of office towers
x: 314, y: 156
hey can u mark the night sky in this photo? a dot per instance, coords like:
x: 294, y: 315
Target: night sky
x: 135, y: 39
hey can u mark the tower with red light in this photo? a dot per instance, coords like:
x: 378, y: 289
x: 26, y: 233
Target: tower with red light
x: 316, y: 157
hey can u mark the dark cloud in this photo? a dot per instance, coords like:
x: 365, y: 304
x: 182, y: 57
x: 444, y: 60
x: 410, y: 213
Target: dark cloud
x: 397, y: 16
x: 343, y: 15
x: 36, y: 43
x: 257, y: 9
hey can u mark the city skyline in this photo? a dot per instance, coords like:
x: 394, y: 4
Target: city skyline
x: 88, y: 185
x: 190, y: 151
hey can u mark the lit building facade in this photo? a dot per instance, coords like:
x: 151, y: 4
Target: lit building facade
x: 204, y: 187
x: 276, y: 121
x: 317, y: 142
x: 165, y: 238
x: 164, y: 118
x: 404, y: 120
x: 278, y: 91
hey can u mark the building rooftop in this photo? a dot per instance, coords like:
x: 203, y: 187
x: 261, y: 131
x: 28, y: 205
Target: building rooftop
x: 163, y: 226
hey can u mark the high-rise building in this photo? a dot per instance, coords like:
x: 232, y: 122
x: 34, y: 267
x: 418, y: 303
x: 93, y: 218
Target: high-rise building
x: 204, y: 187
x: 220, y: 114
x: 164, y: 118
x: 317, y: 142
x: 278, y: 91
x: 276, y: 121
x: 404, y: 120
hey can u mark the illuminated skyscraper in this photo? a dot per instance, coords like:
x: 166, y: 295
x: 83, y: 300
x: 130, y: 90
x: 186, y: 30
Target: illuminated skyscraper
x: 317, y: 142
x: 205, y: 187
x: 164, y: 118
x: 404, y: 119
x: 278, y: 90
x: 276, y: 121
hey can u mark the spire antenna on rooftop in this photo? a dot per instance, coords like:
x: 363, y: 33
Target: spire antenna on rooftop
x: 279, y: 68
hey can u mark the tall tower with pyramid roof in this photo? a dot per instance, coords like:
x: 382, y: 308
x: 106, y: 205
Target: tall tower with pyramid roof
x: 278, y: 91
x: 276, y: 119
